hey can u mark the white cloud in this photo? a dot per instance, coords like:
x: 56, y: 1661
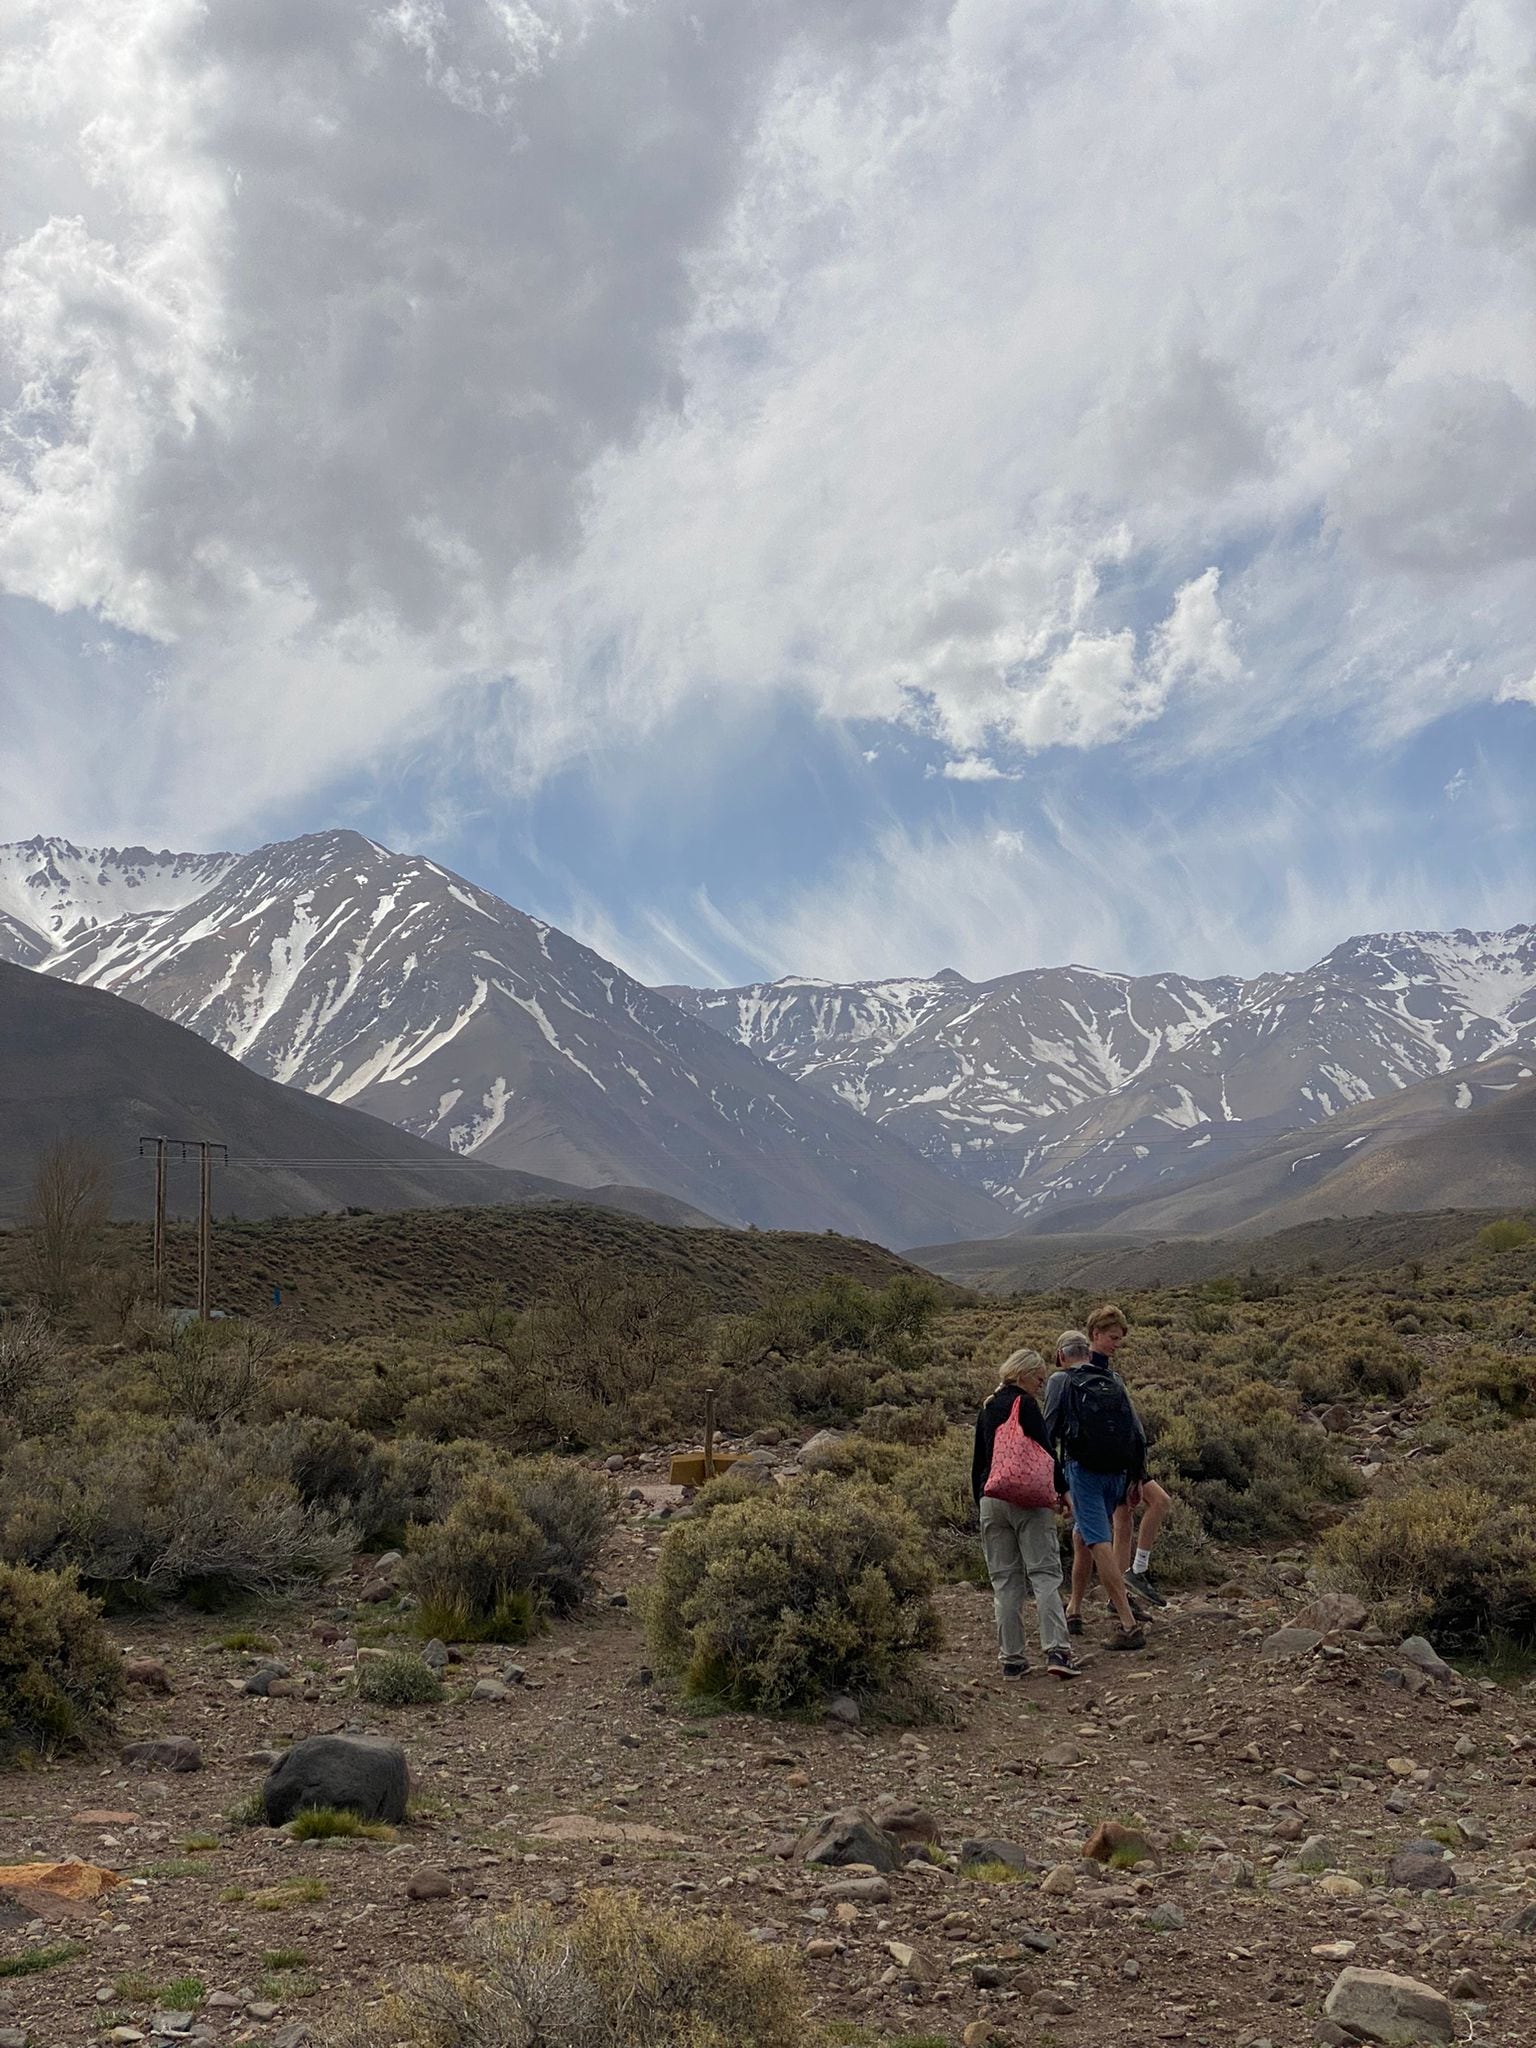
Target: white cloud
x: 1456, y: 785
x: 1029, y: 373
x: 973, y: 768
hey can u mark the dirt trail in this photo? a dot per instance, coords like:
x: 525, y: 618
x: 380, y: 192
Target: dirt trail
x: 1228, y: 1759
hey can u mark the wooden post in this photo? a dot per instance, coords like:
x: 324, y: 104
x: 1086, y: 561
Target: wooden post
x: 709, y: 1432
x: 159, y: 1251
x: 204, y: 1227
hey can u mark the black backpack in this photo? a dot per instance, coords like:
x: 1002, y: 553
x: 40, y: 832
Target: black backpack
x: 1099, y: 1424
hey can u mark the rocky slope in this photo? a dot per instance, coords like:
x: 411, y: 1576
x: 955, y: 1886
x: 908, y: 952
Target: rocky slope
x: 75, y: 1062
x: 385, y: 982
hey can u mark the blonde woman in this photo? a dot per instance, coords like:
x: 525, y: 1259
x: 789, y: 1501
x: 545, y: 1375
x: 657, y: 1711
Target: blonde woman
x: 1018, y: 1485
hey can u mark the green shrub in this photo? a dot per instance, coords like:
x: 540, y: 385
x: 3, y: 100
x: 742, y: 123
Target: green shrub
x: 573, y: 1513
x: 33, y: 1961
x: 620, y: 1972
x: 34, y: 1395
x: 890, y: 1422
x: 936, y: 1486
x: 772, y: 1603
x: 473, y: 1572
x: 397, y: 1680
x: 336, y: 1824
x: 1508, y: 1234
x: 59, y: 1675
x: 161, y: 1511
x: 1447, y: 1558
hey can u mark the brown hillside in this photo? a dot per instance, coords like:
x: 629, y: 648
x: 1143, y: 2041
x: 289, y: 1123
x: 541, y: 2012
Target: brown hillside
x: 369, y: 1272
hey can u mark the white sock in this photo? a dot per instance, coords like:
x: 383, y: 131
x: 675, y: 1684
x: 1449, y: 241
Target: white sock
x: 1142, y: 1559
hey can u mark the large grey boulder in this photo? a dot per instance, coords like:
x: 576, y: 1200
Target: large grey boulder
x: 358, y: 1773
x: 1394, y: 2012
x: 849, y: 1836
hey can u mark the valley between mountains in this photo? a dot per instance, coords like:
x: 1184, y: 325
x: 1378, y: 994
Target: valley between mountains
x: 915, y: 1109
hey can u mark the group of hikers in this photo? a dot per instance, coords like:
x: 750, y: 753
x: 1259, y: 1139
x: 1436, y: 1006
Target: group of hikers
x: 1052, y: 1440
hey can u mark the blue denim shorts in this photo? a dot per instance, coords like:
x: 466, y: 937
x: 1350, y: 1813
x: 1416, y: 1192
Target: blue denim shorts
x: 1095, y: 1496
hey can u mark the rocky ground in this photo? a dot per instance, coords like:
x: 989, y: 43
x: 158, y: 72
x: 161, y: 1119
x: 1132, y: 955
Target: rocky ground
x: 1273, y: 1782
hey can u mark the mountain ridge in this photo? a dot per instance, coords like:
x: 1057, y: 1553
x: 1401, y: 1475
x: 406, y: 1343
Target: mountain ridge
x: 389, y: 983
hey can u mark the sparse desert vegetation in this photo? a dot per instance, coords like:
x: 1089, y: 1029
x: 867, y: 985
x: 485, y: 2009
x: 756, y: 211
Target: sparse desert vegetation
x: 491, y: 1476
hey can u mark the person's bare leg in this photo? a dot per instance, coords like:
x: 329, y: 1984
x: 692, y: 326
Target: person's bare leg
x: 1125, y: 1537
x: 1157, y: 1503
x: 1112, y: 1579
x: 1082, y: 1574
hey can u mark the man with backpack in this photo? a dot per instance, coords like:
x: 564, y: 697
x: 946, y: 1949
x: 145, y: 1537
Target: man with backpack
x: 1018, y: 1484
x: 1089, y: 1419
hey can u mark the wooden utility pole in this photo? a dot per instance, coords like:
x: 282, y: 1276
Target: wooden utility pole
x: 204, y: 1231
x: 184, y: 1148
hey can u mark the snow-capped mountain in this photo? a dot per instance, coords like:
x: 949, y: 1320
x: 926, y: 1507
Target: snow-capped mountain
x: 904, y: 1109
x: 384, y: 981
x: 1064, y: 1084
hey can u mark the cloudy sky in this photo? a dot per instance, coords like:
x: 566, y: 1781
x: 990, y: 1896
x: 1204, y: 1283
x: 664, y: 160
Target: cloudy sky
x: 852, y: 486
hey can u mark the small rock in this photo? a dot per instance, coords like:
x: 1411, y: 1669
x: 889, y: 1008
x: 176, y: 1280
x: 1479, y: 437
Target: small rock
x: 1396, y: 2012
x: 844, y: 1711
x: 849, y: 1836
x: 1234, y: 1872
x: 1053, y: 2002
x: 1037, y: 1939
x: 989, y: 1849
x: 1286, y: 1643
x: 1060, y: 1882
x: 1422, y: 1867
x: 149, y: 1672
x: 866, y: 1891
x: 1472, y: 1832
x: 165, y: 1753
x: 1420, y: 1652
x: 911, y: 1962
x: 1111, y: 1841
x: 1334, y: 1951
x: 429, y: 1884
x: 171, y: 2022
x: 1062, y: 1755
x: 821, y: 1449
x: 436, y: 1654
x: 1337, y: 1886
x: 979, y: 2034
x: 514, y: 1674
x: 262, y: 2009
x: 1166, y: 1919
x: 1316, y: 1853
x: 905, y: 1821
x: 491, y: 1689
x: 1332, y: 1613
x: 1466, y: 1984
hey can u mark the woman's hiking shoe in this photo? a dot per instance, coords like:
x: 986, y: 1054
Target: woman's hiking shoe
x: 1128, y: 1639
x: 1133, y: 1594
x: 1139, y: 1585
x: 1060, y: 1664
x: 1016, y: 1668
x: 1074, y: 1624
